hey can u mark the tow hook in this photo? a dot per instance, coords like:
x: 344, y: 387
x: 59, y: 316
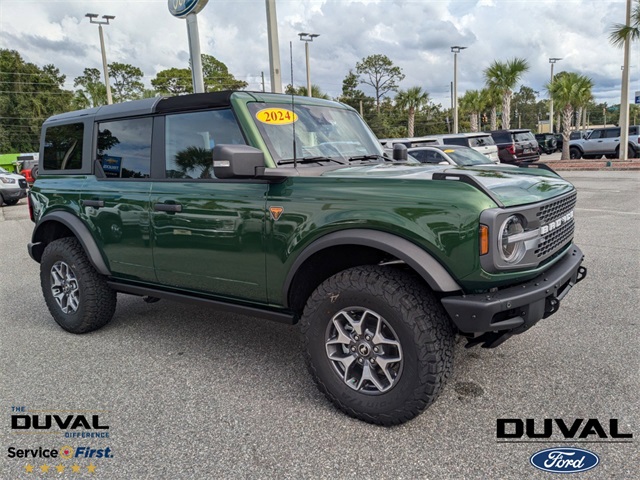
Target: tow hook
x: 582, y: 274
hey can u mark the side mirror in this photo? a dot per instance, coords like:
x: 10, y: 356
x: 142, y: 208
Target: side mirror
x: 399, y: 152
x: 237, y: 161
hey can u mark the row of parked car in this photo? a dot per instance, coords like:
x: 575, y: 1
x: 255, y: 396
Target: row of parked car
x: 592, y: 143
x: 499, y: 146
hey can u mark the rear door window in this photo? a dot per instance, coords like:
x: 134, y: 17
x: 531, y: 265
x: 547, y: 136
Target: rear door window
x: 124, y: 148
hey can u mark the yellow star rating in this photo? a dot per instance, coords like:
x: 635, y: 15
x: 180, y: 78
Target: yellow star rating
x: 44, y: 468
x: 75, y: 468
x: 91, y: 468
x: 28, y: 468
x: 60, y: 468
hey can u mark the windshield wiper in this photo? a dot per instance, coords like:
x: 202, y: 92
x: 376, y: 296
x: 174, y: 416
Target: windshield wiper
x: 368, y: 157
x: 309, y: 160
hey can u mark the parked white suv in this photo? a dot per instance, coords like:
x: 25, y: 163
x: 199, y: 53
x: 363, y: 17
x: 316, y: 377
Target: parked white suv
x: 480, y: 141
x: 12, y: 187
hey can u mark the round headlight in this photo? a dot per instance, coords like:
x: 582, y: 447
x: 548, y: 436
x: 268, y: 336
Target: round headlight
x: 511, y: 249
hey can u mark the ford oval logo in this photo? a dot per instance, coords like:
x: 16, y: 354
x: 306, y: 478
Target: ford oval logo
x: 564, y: 460
x: 182, y: 8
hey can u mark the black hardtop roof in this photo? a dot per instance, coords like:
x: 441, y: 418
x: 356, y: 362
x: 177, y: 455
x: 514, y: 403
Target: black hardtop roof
x: 194, y: 101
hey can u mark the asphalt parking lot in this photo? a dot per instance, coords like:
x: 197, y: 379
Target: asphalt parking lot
x: 193, y: 393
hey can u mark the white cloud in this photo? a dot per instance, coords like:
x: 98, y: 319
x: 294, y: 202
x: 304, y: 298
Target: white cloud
x: 416, y: 35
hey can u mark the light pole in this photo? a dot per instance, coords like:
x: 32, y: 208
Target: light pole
x: 92, y: 18
x: 274, y: 48
x: 552, y: 61
x: 624, y: 92
x: 306, y: 38
x: 456, y: 50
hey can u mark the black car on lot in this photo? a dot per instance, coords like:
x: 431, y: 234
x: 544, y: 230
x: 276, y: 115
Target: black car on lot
x: 547, y: 142
x: 516, y: 145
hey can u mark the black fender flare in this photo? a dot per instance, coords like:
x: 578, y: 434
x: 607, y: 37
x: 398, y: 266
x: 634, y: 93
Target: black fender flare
x: 436, y: 276
x: 81, y: 232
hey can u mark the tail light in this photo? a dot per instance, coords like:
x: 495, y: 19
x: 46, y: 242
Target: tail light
x: 30, y: 209
x: 511, y: 149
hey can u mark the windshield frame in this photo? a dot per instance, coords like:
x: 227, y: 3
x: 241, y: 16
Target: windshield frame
x: 326, y: 131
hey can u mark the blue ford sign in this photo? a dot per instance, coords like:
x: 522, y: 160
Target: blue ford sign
x: 564, y: 460
x: 182, y: 8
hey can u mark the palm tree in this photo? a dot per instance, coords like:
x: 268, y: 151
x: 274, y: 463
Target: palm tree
x: 492, y: 100
x: 568, y: 90
x: 620, y: 32
x: 473, y: 102
x: 413, y: 99
x: 584, y: 98
x: 504, y: 77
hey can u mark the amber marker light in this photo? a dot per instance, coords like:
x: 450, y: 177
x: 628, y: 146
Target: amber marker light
x: 484, y: 239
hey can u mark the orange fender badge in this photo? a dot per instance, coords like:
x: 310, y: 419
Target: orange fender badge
x: 276, y: 212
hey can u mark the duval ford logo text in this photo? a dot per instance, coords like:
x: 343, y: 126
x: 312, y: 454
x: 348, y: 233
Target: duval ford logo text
x: 564, y: 460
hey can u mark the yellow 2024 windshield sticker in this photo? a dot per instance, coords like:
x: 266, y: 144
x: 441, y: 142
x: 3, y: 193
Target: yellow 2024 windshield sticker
x: 276, y: 116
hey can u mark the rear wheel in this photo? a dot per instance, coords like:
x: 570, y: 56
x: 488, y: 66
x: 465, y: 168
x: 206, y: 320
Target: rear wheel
x: 377, y: 343
x: 13, y: 201
x: 78, y: 297
x: 34, y: 173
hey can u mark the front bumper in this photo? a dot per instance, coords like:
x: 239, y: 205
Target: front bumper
x: 513, y: 310
x: 13, y: 193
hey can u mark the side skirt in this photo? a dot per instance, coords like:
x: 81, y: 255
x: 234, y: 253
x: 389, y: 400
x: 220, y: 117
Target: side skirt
x: 274, y: 315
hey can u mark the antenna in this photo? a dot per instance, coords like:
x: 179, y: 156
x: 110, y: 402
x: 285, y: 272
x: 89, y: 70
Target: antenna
x: 293, y: 107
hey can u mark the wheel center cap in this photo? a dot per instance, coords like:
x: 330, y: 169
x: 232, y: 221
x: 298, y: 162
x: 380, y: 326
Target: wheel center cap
x: 364, y: 349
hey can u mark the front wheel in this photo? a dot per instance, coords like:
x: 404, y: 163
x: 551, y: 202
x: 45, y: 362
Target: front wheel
x: 575, y: 153
x: 377, y: 343
x: 78, y: 297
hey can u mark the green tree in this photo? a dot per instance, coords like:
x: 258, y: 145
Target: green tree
x: 474, y: 103
x: 126, y: 82
x: 620, y: 31
x: 29, y: 95
x: 92, y: 90
x: 567, y: 91
x: 411, y: 100
x: 173, y: 81
x: 353, y: 96
x: 379, y: 72
x: 503, y: 76
x: 525, y: 101
x: 492, y: 98
x: 302, y: 91
x: 217, y: 77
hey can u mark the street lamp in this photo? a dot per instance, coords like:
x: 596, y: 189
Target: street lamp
x: 92, y: 18
x: 552, y: 61
x: 306, y: 38
x: 455, y: 50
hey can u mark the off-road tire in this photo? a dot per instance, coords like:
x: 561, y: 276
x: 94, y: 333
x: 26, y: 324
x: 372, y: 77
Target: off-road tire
x: 1, y: 200
x: 35, y: 172
x: 97, y: 302
x: 575, y: 153
x: 423, y: 329
x: 11, y: 202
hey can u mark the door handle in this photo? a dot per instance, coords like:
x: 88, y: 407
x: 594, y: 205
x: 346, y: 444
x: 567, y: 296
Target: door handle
x: 167, y: 207
x: 93, y: 203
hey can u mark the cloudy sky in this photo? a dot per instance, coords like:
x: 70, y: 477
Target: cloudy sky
x: 416, y: 35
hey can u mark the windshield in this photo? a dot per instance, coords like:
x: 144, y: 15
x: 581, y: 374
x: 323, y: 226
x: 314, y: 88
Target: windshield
x: 320, y: 131
x: 467, y: 156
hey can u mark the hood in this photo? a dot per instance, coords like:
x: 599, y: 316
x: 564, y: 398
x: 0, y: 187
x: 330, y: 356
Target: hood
x: 512, y: 186
x: 11, y: 175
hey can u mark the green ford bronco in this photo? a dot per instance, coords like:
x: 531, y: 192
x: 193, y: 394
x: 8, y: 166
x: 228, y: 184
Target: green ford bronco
x: 288, y: 208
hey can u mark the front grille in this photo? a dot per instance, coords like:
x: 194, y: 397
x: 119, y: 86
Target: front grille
x: 553, y: 211
x: 22, y: 183
x: 555, y: 239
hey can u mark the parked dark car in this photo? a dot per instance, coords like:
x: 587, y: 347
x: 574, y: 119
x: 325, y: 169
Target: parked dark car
x: 516, y: 145
x: 547, y: 142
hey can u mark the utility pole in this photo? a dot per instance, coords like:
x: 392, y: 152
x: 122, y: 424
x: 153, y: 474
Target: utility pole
x: 552, y: 61
x: 456, y: 49
x: 274, y: 47
x: 92, y: 18
x: 624, y: 97
x: 306, y: 38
